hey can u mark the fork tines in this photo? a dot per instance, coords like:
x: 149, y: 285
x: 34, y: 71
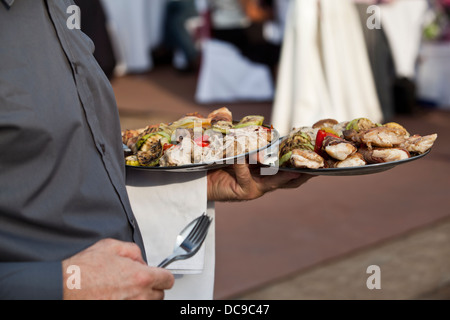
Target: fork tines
x: 198, y: 233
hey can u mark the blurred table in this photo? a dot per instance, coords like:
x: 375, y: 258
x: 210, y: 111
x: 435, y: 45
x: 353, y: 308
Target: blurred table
x: 136, y: 27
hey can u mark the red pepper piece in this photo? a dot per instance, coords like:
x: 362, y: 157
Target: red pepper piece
x: 321, y: 134
x: 202, y: 141
x: 167, y: 146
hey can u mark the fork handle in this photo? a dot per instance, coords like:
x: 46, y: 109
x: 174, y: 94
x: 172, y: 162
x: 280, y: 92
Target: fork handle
x: 167, y: 261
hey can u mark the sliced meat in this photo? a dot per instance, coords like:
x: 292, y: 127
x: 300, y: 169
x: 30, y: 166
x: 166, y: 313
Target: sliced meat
x: 384, y: 137
x: 355, y: 160
x: 338, y: 148
x: 419, y: 144
x: 306, y: 159
x: 381, y: 155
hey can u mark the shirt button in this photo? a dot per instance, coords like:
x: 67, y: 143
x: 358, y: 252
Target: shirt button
x: 103, y: 147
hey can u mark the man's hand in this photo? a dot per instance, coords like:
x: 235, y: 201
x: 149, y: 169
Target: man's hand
x: 243, y: 182
x: 115, y: 270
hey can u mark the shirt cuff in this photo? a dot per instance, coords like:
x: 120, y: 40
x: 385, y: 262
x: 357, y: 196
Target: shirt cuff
x: 31, y: 281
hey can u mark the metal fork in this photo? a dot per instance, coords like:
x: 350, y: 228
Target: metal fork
x: 189, y: 244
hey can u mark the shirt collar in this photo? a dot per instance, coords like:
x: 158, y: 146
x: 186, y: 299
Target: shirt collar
x: 8, y: 3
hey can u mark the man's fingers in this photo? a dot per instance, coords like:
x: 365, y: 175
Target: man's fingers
x: 297, y: 182
x: 243, y: 175
x: 278, y: 180
x: 124, y: 249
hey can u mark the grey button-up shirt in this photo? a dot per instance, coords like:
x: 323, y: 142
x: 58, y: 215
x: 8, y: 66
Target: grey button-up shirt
x: 62, y: 175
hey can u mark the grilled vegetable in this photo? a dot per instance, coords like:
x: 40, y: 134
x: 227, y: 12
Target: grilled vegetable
x: 151, y: 148
x: 222, y: 126
x: 321, y: 134
x: 132, y: 161
x: 221, y: 120
x: 250, y: 121
x: 146, y: 142
x: 285, y: 158
x: 397, y: 126
x: 360, y: 124
x: 296, y: 141
x: 190, y: 122
x: 150, y: 157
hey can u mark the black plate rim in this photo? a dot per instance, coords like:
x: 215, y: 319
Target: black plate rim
x: 367, y: 169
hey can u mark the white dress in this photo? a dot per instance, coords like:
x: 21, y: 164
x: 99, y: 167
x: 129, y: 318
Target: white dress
x: 324, y: 69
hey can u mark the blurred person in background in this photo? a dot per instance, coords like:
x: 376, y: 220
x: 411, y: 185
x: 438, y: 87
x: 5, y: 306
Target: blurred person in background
x: 241, y: 23
x: 94, y: 25
x: 176, y: 37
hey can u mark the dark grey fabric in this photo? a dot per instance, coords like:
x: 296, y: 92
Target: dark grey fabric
x: 62, y: 173
x: 8, y: 3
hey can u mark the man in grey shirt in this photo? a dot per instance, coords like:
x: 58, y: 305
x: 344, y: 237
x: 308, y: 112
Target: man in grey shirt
x: 63, y: 199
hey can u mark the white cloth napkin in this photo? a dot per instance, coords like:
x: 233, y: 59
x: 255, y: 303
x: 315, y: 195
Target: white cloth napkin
x: 164, y: 203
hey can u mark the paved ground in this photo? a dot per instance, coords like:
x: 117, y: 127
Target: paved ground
x: 316, y: 242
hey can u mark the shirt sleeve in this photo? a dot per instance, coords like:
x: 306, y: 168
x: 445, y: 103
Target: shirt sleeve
x: 31, y: 281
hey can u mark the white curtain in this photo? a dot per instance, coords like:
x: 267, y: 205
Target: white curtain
x: 324, y: 68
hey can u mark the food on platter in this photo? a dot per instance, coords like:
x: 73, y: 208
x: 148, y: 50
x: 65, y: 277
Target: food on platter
x: 359, y: 142
x: 302, y: 158
x: 381, y: 155
x: 194, y: 139
x: 354, y: 160
x: 418, y: 144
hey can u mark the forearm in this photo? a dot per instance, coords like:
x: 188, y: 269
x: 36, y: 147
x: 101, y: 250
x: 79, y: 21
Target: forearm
x: 31, y: 281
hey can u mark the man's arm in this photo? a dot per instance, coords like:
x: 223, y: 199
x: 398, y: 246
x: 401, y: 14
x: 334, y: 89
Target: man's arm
x: 31, y: 281
x: 109, y: 269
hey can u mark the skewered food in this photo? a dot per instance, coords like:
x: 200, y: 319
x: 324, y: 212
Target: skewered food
x: 196, y: 139
x: 350, y: 144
